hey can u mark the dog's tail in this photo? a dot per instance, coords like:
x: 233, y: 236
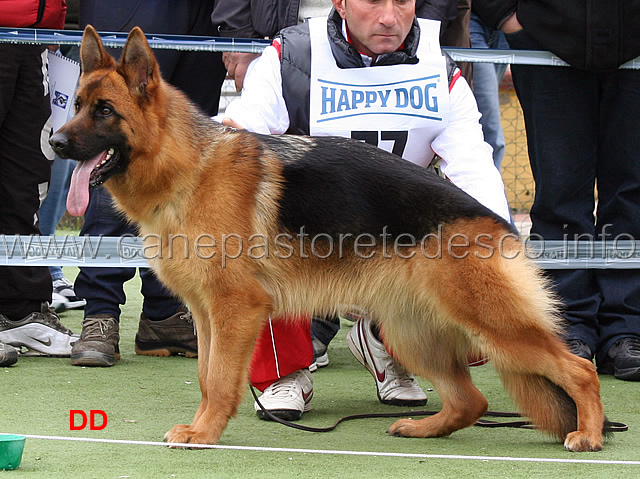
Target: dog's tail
x: 547, y: 382
x: 547, y: 405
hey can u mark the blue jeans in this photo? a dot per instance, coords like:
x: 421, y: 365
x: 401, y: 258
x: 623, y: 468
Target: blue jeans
x: 582, y: 132
x: 103, y: 288
x: 55, y: 204
x: 486, y: 79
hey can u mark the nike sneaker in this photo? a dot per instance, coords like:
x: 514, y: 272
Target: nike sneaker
x: 41, y: 332
x: 394, y: 383
x: 288, y: 398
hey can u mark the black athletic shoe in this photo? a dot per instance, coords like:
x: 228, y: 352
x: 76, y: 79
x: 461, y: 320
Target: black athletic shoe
x: 8, y: 355
x: 580, y: 348
x: 623, y: 360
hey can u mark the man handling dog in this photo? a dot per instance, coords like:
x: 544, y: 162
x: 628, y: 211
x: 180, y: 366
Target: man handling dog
x: 371, y: 72
x: 244, y: 226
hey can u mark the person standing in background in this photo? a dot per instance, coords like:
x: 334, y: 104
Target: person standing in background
x: 25, y: 167
x: 583, y: 138
x: 166, y: 326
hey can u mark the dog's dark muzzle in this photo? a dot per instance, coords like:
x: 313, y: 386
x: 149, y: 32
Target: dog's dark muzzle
x: 60, y: 144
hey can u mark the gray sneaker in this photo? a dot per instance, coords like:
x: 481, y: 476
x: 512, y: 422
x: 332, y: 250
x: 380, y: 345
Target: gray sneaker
x: 41, y: 332
x: 8, y: 355
x: 98, y: 343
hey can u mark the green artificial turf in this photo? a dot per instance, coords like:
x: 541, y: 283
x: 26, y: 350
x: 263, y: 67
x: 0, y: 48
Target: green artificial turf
x: 143, y: 397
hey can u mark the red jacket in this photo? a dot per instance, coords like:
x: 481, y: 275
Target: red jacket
x: 33, y: 13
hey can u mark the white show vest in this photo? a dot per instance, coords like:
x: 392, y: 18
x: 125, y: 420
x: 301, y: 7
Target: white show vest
x: 399, y: 108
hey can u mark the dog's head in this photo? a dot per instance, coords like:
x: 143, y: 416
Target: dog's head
x: 113, y: 122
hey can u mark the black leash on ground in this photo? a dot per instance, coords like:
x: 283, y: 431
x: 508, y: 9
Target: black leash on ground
x: 609, y: 427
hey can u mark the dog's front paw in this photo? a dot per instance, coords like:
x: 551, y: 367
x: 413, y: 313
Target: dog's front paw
x: 405, y: 428
x: 578, y: 441
x: 185, y: 434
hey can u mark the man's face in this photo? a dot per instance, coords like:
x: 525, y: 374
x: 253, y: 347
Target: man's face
x: 377, y: 26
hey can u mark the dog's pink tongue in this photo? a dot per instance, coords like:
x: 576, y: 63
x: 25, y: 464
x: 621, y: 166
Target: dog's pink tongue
x: 78, y: 197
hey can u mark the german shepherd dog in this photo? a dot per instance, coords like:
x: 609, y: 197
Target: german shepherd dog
x: 269, y: 225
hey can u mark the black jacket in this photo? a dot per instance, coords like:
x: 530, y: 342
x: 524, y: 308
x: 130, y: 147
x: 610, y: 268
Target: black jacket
x: 596, y: 35
x: 265, y: 18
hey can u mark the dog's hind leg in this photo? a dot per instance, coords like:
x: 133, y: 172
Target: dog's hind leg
x: 439, y: 355
x: 559, y: 391
x: 556, y: 389
x: 236, y: 319
x: 513, y: 318
x: 462, y: 406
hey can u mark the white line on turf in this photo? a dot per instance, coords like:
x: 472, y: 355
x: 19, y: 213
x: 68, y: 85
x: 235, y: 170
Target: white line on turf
x: 337, y: 452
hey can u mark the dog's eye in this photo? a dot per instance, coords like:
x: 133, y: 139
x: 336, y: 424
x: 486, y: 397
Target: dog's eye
x: 105, y: 110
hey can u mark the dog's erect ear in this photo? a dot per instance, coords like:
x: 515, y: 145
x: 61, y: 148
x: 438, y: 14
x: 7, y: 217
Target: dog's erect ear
x: 137, y: 65
x: 92, y: 53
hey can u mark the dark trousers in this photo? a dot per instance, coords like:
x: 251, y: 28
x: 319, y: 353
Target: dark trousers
x: 24, y: 169
x: 200, y: 76
x: 103, y: 288
x: 583, y: 134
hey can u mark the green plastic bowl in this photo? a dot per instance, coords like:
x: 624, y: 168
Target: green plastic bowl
x: 11, y: 447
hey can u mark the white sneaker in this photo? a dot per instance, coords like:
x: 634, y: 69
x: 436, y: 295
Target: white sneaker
x: 320, y: 355
x: 40, y: 331
x: 288, y: 398
x: 395, y: 385
x: 58, y: 302
x: 64, y: 287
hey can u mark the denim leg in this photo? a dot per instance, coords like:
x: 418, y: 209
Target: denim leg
x: 486, y: 79
x: 325, y: 329
x: 54, y: 205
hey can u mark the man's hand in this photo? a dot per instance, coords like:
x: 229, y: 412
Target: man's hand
x: 236, y: 64
x: 511, y: 24
x: 231, y: 123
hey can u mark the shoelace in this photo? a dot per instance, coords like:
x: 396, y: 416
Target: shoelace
x: 188, y: 317
x: 50, y: 318
x: 91, y: 326
x: 283, y: 388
